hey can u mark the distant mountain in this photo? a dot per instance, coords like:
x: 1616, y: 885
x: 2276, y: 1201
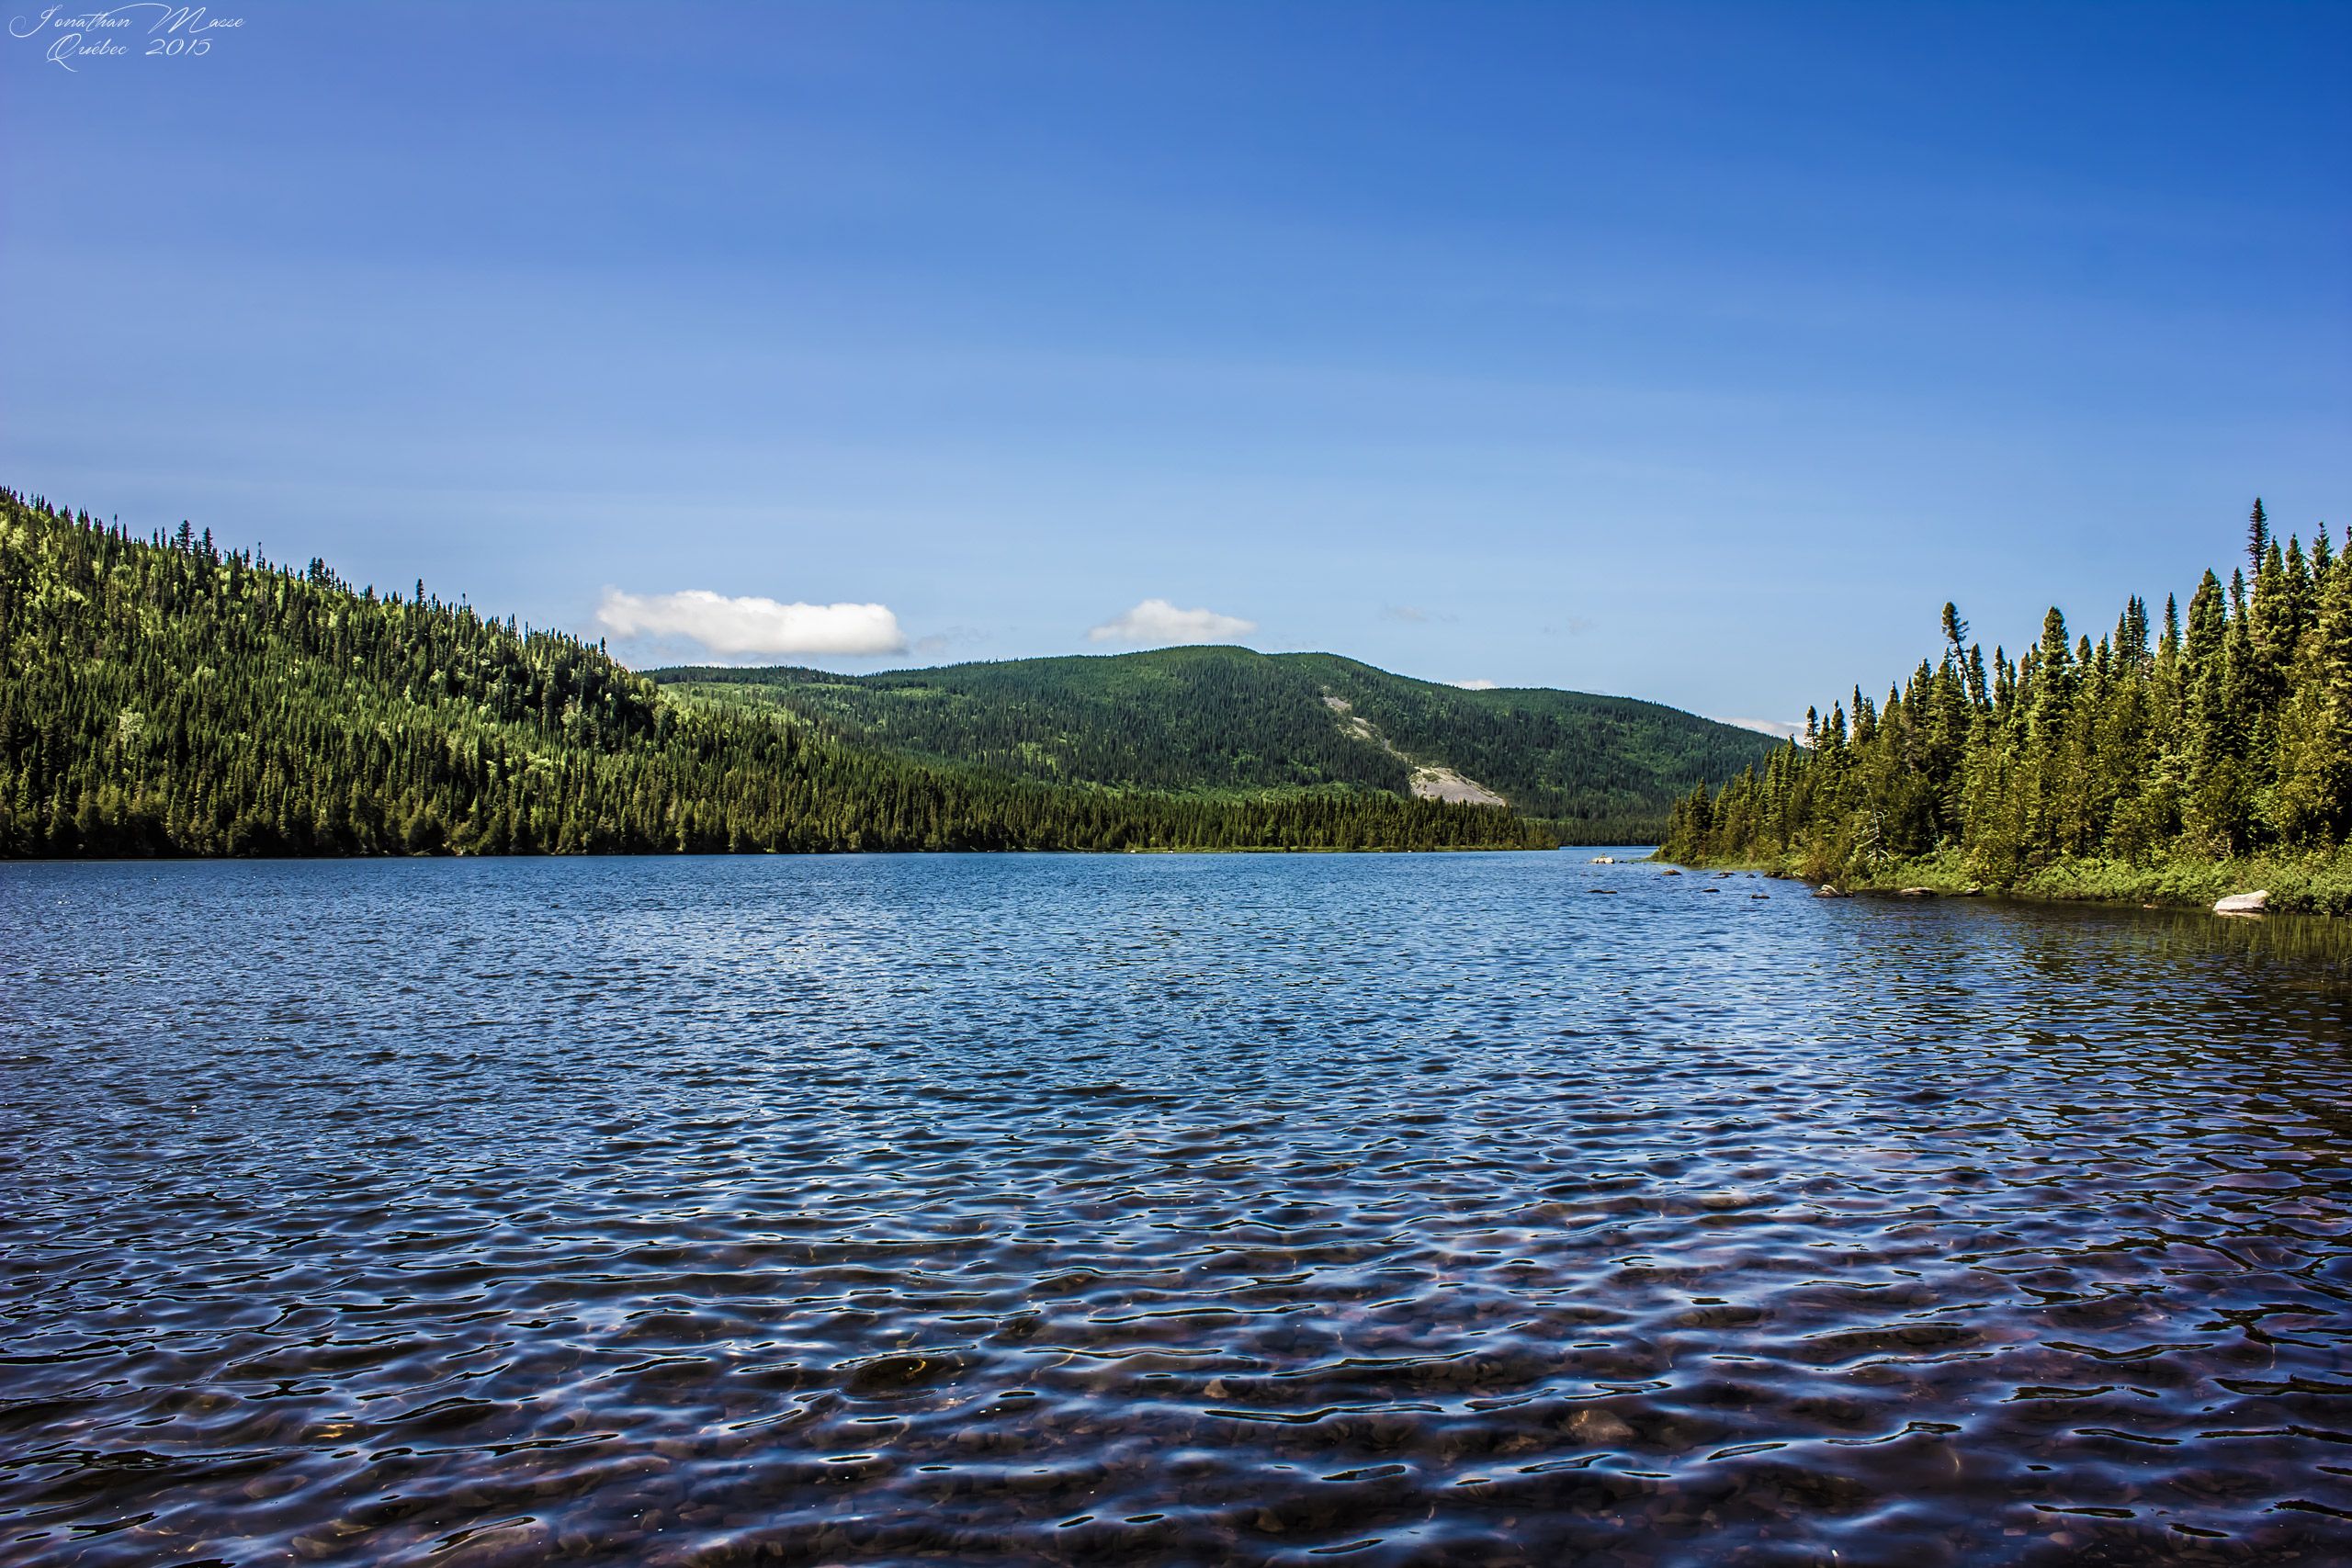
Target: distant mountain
x: 1227, y: 720
x: 168, y: 698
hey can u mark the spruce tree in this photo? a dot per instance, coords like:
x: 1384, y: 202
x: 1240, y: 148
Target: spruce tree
x: 2232, y: 734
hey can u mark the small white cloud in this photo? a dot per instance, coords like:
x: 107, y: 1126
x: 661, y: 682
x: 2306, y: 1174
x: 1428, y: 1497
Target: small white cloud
x: 1767, y: 725
x: 939, y: 642
x: 1156, y: 620
x: 1476, y: 685
x: 752, y: 625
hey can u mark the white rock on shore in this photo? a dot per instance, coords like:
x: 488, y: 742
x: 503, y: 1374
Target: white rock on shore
x: 2243, y: 903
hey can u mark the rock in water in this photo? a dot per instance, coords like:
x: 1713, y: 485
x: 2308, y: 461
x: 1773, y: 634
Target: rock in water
x: 1917, y: 893
x: 1670, y: 871
x: 1825, y: 891
x: 2243, y: 903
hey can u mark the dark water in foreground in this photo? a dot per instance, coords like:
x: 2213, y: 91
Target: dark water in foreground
x: 1162, y: 1208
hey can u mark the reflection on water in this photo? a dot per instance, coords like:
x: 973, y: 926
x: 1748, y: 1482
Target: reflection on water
x: 1160, y: 1209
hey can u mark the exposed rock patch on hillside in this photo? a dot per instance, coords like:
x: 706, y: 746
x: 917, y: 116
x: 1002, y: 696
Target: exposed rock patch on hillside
x: 1355, y: 726
x: 1429, y: 782
x: 1445, y: 784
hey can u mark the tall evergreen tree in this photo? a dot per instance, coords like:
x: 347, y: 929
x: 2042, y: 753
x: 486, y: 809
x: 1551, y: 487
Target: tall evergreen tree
x: 165, y: 697
x: 2232, y: 734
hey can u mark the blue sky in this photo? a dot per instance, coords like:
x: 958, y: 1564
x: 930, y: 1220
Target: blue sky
x: 1694, y: 353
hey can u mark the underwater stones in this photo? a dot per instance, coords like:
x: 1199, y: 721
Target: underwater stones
x: 901, y: 1373
x: 1593, y: 1424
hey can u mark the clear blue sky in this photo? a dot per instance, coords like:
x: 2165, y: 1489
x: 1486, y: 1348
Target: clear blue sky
x: 1693, y: 352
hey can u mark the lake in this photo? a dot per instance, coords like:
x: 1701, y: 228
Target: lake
x: 1382, y: 1209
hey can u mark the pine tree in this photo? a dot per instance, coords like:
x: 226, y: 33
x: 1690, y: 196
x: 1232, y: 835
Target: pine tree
x: 166, y: 697
x: 2231, y: 733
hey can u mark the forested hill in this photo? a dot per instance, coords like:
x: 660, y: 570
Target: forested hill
x: 1209, y: 719
x: 2206, y: 750
x: 170, y: 697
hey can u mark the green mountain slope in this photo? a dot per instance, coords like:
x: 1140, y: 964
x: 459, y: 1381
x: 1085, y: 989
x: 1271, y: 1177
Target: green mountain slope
x: 1226, y: 719
x: 172, y: 698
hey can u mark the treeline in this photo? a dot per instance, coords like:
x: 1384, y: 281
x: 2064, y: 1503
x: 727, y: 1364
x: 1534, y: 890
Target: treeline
x: 164, y: 696
x: 1602, y: 770
x: 1173, y: 719
x: 2197, y: 740
x: 1599, y: 770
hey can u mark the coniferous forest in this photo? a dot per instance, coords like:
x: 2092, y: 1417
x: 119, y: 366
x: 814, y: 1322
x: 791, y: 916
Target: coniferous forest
x: 167, y: 696
x: 2204, y: 750
x: 1597, y: 769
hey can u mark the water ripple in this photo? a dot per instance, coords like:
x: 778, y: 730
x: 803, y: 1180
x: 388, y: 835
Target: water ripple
x: 1159, y: 1209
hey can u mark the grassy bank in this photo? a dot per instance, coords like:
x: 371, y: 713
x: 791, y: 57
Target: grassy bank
x: 2318, y: 884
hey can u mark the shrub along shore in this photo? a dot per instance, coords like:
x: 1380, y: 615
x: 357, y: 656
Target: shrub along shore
x: 2308, y: 884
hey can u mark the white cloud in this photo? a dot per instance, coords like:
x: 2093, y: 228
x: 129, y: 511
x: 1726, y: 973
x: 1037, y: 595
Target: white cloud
x: 1767, y: 725
x: 1156, y: 620
x: 1476, y: 685
x: 752, y: 625
x: 937, y: 643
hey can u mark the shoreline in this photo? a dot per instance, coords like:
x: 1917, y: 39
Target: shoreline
x: 2316, y: 885
x: 801, y: 854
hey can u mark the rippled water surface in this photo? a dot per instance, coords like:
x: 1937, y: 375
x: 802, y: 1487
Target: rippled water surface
x: 1400, y: 1209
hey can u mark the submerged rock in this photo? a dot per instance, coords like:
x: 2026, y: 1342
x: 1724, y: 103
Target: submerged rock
x: 901, y: 1373
x: 2243, y: 903
x: 1670, y: 871
x: 1917, y: 893
x: 1595, y: 1426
